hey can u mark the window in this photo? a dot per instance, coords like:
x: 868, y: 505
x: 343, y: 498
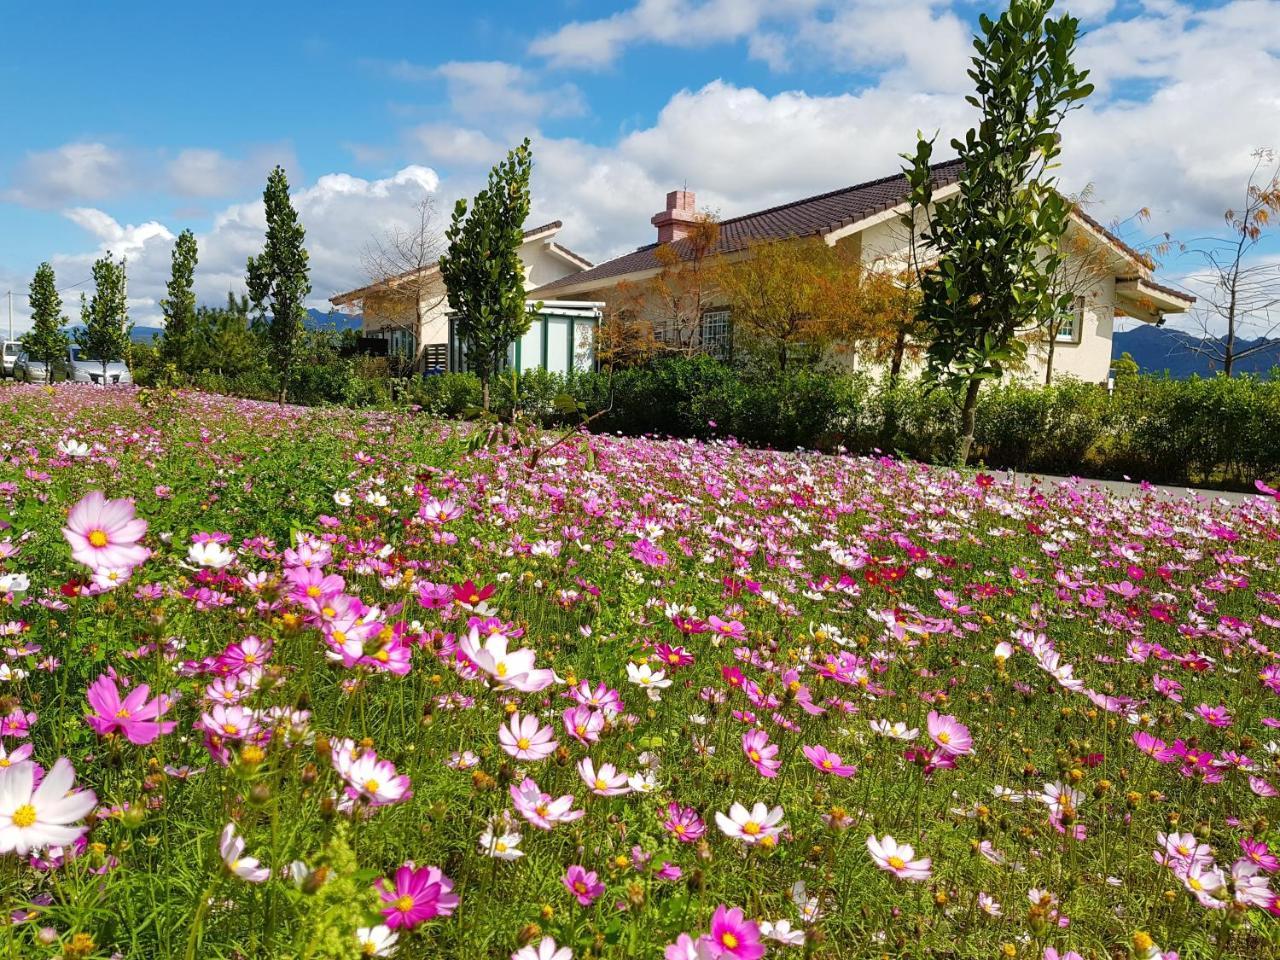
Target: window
x: 1071, y: 324
x: 716, y: 333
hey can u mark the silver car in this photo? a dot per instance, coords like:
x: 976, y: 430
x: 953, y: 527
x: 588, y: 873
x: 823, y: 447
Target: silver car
x: 85, y: 369
x: 30, y: 370
x: 10, y: 353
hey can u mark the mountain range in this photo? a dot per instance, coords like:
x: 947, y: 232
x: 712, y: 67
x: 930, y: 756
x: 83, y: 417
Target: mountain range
x: 1162, y: 350
x: 316, y: 320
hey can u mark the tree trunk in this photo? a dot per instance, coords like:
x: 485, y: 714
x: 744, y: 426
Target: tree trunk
x: 899, y: 351
x: 484, y: 392
x: 968, y: 414
x: 1048, y: 364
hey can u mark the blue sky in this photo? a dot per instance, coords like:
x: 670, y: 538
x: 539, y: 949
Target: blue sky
x: 128, y: 122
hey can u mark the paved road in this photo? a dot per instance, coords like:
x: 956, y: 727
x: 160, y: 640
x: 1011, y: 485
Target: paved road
x: 1124, y: 488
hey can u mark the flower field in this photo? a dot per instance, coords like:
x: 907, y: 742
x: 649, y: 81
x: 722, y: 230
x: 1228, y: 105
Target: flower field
x: 301, y: 683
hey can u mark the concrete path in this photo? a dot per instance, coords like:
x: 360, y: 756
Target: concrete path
x: 1124, y: 488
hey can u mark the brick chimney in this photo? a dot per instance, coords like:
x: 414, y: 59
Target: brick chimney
x: 673, y: 222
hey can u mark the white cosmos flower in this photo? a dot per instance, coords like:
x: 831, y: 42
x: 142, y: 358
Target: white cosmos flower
x: 14, y: 583
x: 231, y: 847
x: 503, y: 845
x: 342, y: 498
x: 32, y: 818
x: 782, y: 932
x: 379, y: 941
x: 73, y: 448
x: 210, y: 554
x: 895, y: 731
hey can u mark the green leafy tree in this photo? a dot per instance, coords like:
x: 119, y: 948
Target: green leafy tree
x: 278, y: 281
x: 222, y: 341
x: 995, y: 243
x: 179, y: 307
x: 482, y: 271
x: 104, y: 319
x: 46, y: 341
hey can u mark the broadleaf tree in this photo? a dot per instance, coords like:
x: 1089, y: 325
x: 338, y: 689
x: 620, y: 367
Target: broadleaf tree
x: 481, y: 267
x: 179, y: 307
x: 46, y: 341
x: 278, y: 282
x: 105, y: 327
x: 994, y: 244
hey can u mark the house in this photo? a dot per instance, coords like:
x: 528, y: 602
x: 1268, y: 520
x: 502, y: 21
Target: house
x: 867, y: 218
x: 419, y: 331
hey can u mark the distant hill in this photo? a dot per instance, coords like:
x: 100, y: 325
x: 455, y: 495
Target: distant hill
x: 1159, y: 350
x: 316, y: 320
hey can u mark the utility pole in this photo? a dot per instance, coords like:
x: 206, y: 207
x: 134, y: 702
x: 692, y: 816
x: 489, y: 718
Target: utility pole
x: 10, y: 314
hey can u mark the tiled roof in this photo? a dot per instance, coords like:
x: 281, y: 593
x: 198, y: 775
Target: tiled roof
x: 811, y: 216
x: 348, y: 296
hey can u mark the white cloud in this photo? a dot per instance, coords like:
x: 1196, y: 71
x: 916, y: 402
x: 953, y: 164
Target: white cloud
x: 495, y: 88
x: 455, y: 145
x: 203, y: 172
x: 71, y: 172
x: 591, y: 44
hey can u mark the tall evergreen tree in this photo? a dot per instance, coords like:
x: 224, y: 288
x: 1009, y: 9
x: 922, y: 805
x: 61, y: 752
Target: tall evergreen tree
x: 46, y: 341
x: 104, y: 319
x: 482, y: 271
x: 277, y: 279
x: 996, y: 242
x: 179, y: 307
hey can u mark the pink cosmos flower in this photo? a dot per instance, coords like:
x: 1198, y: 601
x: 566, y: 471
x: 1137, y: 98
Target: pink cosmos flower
x: 951, y: 736
x: 370, y: 779
x: 1258, y: 853
x: 540, y: 809
x: 898, y: 858
x: 604, y: 782
x: 1214, y: 716
x: 231, y: 847
x: 526, y: 739
x: 1153, y: 747
x: 683, y: 823
x: 761, y: 753
x: 732, y: 629
x: 134, y: 716
x: 734, y: 936
x: 419, y: 894
x: 828, y: 762
x: 105, y: 533
x: 583, y: 724
x: 584, y: 886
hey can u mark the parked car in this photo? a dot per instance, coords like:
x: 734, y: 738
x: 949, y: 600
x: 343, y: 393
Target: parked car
x: 10, y: 354
x: 29, y: 370
x: 86, y: 369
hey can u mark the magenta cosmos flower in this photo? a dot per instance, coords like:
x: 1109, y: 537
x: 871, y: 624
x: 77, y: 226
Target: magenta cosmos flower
x: 104, y: 533
x: 828, y: 762
x: 419, y: 894
x: 762, y: 754
x: 585, y: 886
x: 734, y: 935
x: 683, y: 823
x: 951, y: 736
x: 898, y: 858
x: 541, y: 809
x: 135, y: 716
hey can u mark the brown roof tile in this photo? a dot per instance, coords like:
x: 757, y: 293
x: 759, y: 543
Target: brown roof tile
x: 811, y: 216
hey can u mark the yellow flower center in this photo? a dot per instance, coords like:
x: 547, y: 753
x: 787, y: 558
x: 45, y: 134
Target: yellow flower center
x: 751, y: 828
x: 523, y: 743
x: 250, y: 658
x: 729, y: 940
x: 1193, y: 882
x: 755, y: 756
x: 601, y: 784
x: 579, y: 887
x: 98, y: 538
x: 122, y: 714
x: 230, y: 728
x: 328, y: 611
x: 680, y: 829
x: 24, y: 816
x: 371, y: 786
x: 500, y: 669
x: 500, y: 847
x: 944, y: 737
x: 540, y: 809
x: 897, y: 862
x: 313, y: 591
x: 827, y: 764
x: 404, y: 904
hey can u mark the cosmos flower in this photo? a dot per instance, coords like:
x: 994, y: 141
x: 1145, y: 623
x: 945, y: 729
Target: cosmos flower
x: 951, y: 736
x: 583, y: 724
x: 604, y: 782
x: 135, y: 717
x: 231, y: 848
x: 585, y: 886
x: 545, y: 949
x: 652, y: 681
x: 210, y: 554
x: 828, y: 762
x: 734, y: 936
x: 762, y: 754
x: 759, y: 825
x: 524, y: 738
x: 416, y: 895
x: 105, y: 533
x: 501, y: 845
x: 540, y: 809
x: 376, y: 941
x: 683, y: 823
x: 894, y: 731
x: 372, y: 780
x: 898, y: 858
x: 34, y: 817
